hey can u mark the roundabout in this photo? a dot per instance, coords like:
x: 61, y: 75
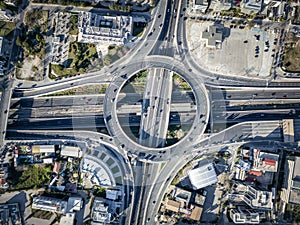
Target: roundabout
x: 115, y: 129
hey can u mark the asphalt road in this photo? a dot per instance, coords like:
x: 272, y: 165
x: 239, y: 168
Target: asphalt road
x: 156, y: 108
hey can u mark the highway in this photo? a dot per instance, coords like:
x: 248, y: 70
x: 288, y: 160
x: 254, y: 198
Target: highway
x: 87, y: 122
x: 156, y: 108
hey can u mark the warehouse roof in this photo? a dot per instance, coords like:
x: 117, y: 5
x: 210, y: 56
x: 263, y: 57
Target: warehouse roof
x: 203, y: 176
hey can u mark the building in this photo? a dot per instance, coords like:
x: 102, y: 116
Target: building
x: 203, y: 176
x: 196, y: 213
x: 67, y: 219
x: 245, y: 216
x: 182, y: 195
x: 288, y: 128
x: 172, y: 205
x: 213, y: 37
x: 67, y: 209
x: 50, y: 204
x: 95, y: 28
x: 5, y: 15
x: 71, y: 151
x: 10, y: 214
x: 256, y: 199
x: 3, y: 176
x: 74, y: 204
x: 112, y: 194
x: 251, y: 6
x: 293, y: 181
x: 61, y: 40
x: 200, y: 5
x: 100, y: 212
x: 47, y: 149
x: 2, y: 56
x: 220, y: 5
x: 199, y: 199
x: 274, y: 9
x: 264, y: 161
x: 2, y: 40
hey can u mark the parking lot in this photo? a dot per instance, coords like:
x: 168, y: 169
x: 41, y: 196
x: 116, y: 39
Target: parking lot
x: 245, y: 52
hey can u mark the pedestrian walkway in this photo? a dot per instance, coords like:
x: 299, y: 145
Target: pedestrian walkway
x: 101, y: 168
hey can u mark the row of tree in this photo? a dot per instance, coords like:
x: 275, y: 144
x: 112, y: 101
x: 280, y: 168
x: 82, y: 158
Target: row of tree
x: 120, y: 8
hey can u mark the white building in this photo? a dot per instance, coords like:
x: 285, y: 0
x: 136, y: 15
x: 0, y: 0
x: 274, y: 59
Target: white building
x: 61, y: 40
x: 220, y: 5
x: 67, y: 219
x: 200, y: 5
x: 213, y: 37
x: 50, y: 204
x: 293, y: 181
x: 71, y: 151
x: 112, y: 194
x: 38, y: 149
x: 95, y: 28
x: 2, y: 61
x: 251, y: 6
x: 74, y: 204
x: 66, y: 208
x: 100, y: 212
x: 245, y: 216
x: 256, y: 199
x: 203, y: 176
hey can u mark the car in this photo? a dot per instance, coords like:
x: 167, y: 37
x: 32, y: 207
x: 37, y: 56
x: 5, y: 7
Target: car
x: 159, y: 16
x: 71, y: 84
x: 284, y: 96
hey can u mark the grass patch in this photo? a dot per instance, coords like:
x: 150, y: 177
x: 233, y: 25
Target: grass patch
x: 34, y: 177
x: 114, y: 53
x: 136, y: 83
x: 119, y: 180
x: 74, y: 25
x: 32, y: 36
x: 115, y: 170
x: 181, y: 83
x: 176, y: 132
x: 291, y: 60
x: 138, y: 29
x: 91, y: 89
x: 6, y: 28
x: 100, y: 192
x: 110, y: 161
x: 36, y: 19
x: 82, y: 58
x: 102, y: 156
